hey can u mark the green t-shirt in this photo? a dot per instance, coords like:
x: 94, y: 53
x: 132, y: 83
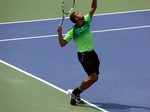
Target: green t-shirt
x: 82, y: 36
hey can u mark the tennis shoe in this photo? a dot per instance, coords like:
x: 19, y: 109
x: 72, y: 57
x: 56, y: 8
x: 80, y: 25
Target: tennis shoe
x: 79, y: 100
x: 75, y: 99
x: 72, y: 97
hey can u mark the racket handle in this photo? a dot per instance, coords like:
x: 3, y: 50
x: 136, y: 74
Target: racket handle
x: 61, y: 22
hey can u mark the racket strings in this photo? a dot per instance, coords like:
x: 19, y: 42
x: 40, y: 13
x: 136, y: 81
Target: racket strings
x: 67, y: 6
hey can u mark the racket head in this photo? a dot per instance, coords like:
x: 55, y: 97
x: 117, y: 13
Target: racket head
x: 67, y: 6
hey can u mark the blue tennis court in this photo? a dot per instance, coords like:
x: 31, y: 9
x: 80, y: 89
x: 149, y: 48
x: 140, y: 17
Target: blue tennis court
x: 122, y: 41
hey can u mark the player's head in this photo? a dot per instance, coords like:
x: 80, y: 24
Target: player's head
x: 76, y: 16
x: 72, y: 17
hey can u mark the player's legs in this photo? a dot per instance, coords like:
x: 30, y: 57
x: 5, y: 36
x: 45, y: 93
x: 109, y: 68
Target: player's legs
x: 90, y: 63
x: 75, y: 95
x: 91, y: 79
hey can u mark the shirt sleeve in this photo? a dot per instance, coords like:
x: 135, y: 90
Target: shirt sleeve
x: 87, y: 18
x: 69, y: 35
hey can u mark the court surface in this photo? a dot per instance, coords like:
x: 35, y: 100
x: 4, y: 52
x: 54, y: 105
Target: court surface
x: 35, y: 72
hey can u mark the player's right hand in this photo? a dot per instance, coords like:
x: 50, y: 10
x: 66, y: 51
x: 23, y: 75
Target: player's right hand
x: 59, y: 28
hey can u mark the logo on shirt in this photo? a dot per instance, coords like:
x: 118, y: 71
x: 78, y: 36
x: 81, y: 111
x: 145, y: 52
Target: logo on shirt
x: 79, y: 30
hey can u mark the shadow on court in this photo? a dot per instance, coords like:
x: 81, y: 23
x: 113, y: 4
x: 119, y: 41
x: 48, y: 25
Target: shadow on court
x: 118, y: 107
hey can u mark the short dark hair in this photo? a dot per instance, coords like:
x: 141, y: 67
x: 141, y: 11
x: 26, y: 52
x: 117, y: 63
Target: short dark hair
x: 72, y: 17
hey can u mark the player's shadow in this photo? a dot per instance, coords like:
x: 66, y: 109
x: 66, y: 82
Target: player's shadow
x: 118, y: 107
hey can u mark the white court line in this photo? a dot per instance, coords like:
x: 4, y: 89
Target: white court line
x: 27, y: 38
x: 45, y: 82
x: 104, y: 14
x: 97, y: 31
x: 124, y: 12
x: 121, y: 29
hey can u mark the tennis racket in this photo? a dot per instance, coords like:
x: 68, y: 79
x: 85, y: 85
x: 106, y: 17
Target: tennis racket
x: 67, y: 7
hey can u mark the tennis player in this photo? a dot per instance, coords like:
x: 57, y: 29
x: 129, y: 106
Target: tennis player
x: 82, y: 36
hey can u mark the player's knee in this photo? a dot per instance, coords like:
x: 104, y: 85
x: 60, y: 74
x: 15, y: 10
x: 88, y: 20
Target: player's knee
x: 94, y: 77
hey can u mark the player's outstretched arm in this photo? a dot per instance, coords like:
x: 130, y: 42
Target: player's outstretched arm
x: 93, y: 7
